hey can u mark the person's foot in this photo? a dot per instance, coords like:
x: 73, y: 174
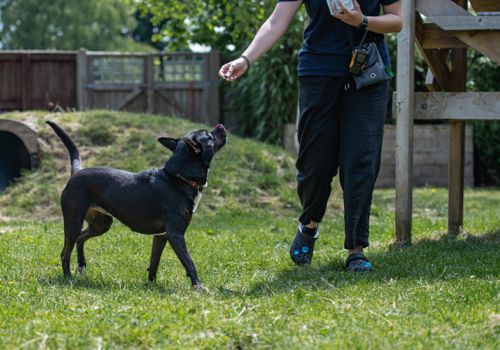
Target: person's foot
x: 357, y: 262
x: 302, y: 247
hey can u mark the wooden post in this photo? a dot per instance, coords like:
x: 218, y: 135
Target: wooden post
x: 405, y: 110
x: 81, y: 80
x: 26, y: 86
x: 457, y: 144
x: 214, y: 91
x: 149, y: 78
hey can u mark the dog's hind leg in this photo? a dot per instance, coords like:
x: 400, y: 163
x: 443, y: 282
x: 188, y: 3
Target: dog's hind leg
x: 156, y: 250
x: 98, y: 224
x: 72, y: 229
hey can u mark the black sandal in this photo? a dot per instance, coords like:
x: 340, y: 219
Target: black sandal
x: 357, y: 262
x: 302, y: 247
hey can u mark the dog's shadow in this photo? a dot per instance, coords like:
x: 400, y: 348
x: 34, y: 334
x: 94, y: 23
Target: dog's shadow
x: 428, y: 260
x: 105, y: 285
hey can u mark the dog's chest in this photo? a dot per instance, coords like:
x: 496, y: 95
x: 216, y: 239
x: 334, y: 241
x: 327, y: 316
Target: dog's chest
x: 198, y: 197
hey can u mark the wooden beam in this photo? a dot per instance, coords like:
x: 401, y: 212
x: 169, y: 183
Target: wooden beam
x: 481, y: 41
x: 129, y: 98
x: 485, y: 5
x: 440, y: 8
x: 81, y: 80
x: 26, y: 86
x: 457, y: 143
x: 457, y: 105
x: 431, y: 83
x: 404, y: 125
x: 436, y: 60
x: 149, y: 81
x: 434, y: 37
x: 462, y: 23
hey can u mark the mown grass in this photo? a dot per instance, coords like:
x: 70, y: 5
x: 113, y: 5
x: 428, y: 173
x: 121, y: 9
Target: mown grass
x: 442, y: 292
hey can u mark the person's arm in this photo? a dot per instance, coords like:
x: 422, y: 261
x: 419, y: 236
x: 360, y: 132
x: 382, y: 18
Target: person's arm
x: 272, y: 29
x: 390, y: 22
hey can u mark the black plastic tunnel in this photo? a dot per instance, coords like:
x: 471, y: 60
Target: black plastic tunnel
x: 18, y: 150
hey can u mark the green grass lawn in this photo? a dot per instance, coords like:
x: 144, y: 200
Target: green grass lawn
x: 442, y: 292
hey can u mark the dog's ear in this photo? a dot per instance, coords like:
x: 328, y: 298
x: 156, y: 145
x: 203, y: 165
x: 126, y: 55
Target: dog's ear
x: 168, y: 142
x: 192, y: 144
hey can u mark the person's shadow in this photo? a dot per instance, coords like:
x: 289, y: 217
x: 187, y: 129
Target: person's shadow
x: 426, y: 261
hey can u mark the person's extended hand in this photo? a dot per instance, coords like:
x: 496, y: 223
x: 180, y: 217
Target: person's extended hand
x: 233, y: 70
x: 353, y: 17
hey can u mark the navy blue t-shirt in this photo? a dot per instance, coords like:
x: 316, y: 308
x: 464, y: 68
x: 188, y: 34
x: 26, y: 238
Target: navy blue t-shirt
x: 326, y: 49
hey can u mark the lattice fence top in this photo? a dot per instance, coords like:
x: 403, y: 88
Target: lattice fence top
x: 106, y: 70
x: 180, y: 68
x: 125, y: 69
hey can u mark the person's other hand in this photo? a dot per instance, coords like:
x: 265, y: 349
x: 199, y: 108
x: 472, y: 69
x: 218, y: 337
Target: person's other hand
x: 353, y: 17
x: 233, y: 70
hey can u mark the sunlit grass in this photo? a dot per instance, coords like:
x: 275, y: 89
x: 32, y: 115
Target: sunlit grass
x: 442, y: 292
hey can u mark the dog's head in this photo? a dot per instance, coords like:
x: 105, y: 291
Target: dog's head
x: 196, y: 148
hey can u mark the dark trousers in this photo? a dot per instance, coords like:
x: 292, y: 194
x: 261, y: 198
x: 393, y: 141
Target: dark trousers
x: 340, y: 129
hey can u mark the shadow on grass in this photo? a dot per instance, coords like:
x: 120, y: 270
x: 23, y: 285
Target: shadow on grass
x: 428, y: 260
x: 104, y: 285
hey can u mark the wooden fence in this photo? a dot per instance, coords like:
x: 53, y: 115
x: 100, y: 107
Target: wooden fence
x: 37, y: 80
x: 177, y: 84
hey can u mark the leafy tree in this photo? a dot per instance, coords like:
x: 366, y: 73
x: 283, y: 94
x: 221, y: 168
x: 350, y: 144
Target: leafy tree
x: 484, y: 75
x: 64, y: 24
x: 266, y: 97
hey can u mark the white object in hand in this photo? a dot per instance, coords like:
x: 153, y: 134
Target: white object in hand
x: 348, y: 4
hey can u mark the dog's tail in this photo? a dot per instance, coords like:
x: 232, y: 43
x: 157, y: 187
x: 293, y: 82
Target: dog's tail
x: 74, y: 154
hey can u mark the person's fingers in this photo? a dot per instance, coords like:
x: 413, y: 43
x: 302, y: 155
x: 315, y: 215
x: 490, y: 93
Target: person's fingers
x: 223, y: 70
x: 335, y: 10
x: 230, y: 70
x: 233, y: 70
x: 356, y: 5
x: 342, y: 9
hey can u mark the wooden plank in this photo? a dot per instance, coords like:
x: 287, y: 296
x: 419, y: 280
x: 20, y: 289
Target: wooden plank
x: 404, y: 125
x: 113, y: 86
x: 434, y: 37
x: 457, y: 106
x: 171, y: 101
x: 435, y: 59
x: 149, y: 77
x: 456, y: 177
x: 481, y: 41
x: 81, y: 80
x: 431, y: 83
x: 430, y: 156
x: 457, y: 143
x: 129, y: 99
x: 485, y: 5
x: 461, y: 23
x: 26, y: 84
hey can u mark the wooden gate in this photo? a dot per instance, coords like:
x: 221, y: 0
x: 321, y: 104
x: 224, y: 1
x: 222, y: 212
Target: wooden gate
x: 37, y: 80
x: 178, y: 84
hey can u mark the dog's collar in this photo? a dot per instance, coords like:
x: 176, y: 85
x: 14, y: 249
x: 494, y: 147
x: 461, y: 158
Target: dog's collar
x: 191, y: 183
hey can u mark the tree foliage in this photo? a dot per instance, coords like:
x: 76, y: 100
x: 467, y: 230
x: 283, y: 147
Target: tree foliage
x: 64, y: 24
x: 265, y: 98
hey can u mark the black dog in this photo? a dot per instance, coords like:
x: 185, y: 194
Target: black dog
x: 159, y: 202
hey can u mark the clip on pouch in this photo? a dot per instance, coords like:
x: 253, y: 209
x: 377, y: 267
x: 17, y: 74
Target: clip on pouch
x: 366, y: 65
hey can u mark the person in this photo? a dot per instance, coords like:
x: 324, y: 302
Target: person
x: 340, y: 127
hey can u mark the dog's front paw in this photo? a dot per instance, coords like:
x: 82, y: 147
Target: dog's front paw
x: 200, y: 288
x: 82, y: 269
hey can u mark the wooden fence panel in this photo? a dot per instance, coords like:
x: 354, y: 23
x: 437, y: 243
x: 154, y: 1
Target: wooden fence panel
x: 37, y: 80
x: 430, y: 156
x: 180, y: 84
